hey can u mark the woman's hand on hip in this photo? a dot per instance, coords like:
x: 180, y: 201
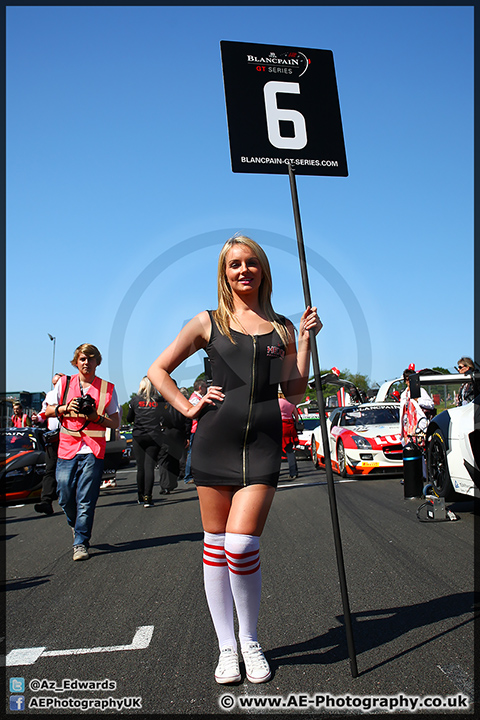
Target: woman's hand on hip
x: 213, y: 395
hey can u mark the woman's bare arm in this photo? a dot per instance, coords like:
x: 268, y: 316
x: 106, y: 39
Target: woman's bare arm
x: 194, y: 336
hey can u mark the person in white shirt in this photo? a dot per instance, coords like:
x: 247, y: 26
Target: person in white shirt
x: 49, y: 483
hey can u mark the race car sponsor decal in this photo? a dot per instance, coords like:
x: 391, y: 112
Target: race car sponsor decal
x: 388, y: 439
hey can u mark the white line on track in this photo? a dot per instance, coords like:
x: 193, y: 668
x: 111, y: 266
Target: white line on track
x: 27, y: 656
x: 317, y: 482
x: 459, y: 678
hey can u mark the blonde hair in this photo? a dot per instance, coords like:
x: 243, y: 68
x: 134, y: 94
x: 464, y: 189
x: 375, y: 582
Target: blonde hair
x: 225, y: 311
x: 86, y: 349
x: 146, y: 389
x: 466, y: 361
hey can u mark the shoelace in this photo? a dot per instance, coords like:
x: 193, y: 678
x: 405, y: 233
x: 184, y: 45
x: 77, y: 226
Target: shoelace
x: 228, y: 662
x: 255, y: 656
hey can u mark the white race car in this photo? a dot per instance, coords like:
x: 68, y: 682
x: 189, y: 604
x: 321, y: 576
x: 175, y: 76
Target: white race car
x: 309, y: 416
x: 303, y: 449
x: 363, y: 439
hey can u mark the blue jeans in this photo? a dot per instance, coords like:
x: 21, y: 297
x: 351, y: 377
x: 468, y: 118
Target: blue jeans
x: 292, y: 460
x: 188, y: 464
x: 78, y: 487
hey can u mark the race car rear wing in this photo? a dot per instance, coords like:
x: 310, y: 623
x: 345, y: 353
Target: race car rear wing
x: 331, y: 378
x: 417, y: 379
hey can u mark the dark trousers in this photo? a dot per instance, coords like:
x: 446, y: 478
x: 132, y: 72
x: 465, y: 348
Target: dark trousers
x: 169, y: 468
x: 292, y: 460
x: 49, y: 482
x: 146, y: 454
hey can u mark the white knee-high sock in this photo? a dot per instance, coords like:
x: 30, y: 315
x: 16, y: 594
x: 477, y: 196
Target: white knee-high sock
x: 243, y: 557
x: 217, y: 588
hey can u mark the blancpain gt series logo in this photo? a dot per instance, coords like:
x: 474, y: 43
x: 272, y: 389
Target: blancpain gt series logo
x: 292, y: 62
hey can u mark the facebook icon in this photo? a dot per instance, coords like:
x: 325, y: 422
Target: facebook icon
x: 17, y: 702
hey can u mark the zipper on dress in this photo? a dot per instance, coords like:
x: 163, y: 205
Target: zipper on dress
x: 249, y: 410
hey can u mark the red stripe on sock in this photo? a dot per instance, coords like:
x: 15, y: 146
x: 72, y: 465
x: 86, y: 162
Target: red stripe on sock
x: 215, y: 555
x: 213, y: 547
x: 239, y: 556
x: 244, y: 572
x: 243, y: 565
x: 214, y: 564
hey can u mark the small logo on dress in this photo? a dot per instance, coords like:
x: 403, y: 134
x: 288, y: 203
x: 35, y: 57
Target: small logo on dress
x: 275, y: 351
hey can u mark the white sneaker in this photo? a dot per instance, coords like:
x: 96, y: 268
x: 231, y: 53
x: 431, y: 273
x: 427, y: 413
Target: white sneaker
x: 80, y: 552
x: 228, y: 669
x: 108, y: 484
x: 256, y: 666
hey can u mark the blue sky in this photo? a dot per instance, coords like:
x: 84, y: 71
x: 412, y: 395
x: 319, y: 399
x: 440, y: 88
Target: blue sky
x: 120, y: 191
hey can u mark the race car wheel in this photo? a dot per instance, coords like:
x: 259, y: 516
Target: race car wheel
x: 342, y: 463
x: 437, y: 467
x: 314, y: 453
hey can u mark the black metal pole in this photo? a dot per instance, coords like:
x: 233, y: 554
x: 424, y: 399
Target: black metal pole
x: 323, y: 428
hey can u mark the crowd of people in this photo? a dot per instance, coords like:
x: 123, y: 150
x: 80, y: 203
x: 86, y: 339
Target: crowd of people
x: 227, y: 437
x: 252, y: 351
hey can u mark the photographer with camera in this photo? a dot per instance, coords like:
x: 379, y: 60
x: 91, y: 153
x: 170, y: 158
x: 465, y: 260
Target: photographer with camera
x: 88, y: 408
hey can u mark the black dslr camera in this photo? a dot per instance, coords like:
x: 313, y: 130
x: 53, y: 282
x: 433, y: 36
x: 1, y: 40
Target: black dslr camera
x: 86, y: 404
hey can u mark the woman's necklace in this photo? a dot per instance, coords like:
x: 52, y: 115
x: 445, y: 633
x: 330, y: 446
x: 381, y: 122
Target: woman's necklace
x: 240, y: 325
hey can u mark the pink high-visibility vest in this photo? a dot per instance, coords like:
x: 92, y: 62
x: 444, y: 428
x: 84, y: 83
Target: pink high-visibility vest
x: 71, y: 434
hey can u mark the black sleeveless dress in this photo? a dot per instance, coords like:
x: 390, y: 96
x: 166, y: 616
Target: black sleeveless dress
x: 238, y: 441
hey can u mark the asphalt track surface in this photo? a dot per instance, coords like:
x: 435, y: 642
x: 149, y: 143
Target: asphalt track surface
x: 410, y: 587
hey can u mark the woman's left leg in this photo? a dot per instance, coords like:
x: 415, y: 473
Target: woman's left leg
x: 215, y: 503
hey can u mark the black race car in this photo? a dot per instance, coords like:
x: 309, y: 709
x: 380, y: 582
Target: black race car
x: 22, y: 463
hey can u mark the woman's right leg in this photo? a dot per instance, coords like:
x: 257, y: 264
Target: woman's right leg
x: 215, y: 506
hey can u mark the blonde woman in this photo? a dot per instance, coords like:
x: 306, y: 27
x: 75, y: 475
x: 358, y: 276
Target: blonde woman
x: 145, y: 412
x: 237, y: 451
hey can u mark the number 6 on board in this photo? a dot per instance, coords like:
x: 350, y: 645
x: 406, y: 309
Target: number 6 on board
x: 275, y: 114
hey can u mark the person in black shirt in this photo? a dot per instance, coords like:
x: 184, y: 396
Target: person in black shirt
x: 176, y: 430
x: 145, y: 412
